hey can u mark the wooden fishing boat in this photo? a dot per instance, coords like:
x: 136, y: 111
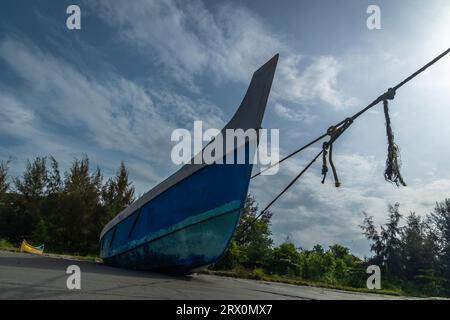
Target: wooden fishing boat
x: 187, y: 221
x: 26, y: 247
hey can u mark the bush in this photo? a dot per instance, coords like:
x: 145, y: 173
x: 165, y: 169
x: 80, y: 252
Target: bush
x: 233, y: 258
x: 257, y: 274
x: 5, y: 244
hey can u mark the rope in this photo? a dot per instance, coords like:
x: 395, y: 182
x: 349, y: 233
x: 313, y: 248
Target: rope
x: 392, y: 171
x: 280, y: 194
x: 356, y: 115
x: 327, y: 147
x: 333, y: 168
x: 290, y: 155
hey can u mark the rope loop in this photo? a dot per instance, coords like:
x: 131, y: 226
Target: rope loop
x: 388, y: 95
x: 327, y: 149
x: 393, y: 163
x: 331, y: 131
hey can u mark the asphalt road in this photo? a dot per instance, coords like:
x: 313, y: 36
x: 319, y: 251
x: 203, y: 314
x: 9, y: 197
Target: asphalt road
x: 25, y: 276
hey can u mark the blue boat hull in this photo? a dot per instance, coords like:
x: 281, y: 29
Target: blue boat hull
x: 184, y: 250
x: 188, y: 226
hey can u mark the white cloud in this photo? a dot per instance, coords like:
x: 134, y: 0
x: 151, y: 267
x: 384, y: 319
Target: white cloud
x: 317, y: 81
x: 15, y: 118
x: 97, y: 114
x: 291, y: 114
x: 182, y: 111
x: 117, y: 114
x: 228, y: 44
x: 188, y: 39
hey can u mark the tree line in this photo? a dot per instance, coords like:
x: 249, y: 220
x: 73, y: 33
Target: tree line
x: 413, y: 253
x: 67, y: 212
x: 254, y: 251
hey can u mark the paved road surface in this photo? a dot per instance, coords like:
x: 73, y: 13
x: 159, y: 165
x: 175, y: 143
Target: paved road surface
x: 25, y: 276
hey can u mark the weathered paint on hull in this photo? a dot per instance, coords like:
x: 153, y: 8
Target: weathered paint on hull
x: 194, y: 246
x: 186, y: 227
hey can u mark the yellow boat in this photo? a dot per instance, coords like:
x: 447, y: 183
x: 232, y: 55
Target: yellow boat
x: 26, y: 247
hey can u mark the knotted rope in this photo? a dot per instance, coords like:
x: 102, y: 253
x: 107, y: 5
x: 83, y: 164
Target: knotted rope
x: 334, y: 132
x: 392, y: 171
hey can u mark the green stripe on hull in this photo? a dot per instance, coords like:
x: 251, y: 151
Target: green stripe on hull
x: 196, y: 245
x: 228, y: 207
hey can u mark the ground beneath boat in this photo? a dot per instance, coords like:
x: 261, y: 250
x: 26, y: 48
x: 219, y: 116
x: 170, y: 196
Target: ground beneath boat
x: 26, y: 276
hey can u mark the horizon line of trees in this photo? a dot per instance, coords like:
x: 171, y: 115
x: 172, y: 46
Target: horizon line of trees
x: 254, y: 250
x: 65, y: 211
x: 413, y: 258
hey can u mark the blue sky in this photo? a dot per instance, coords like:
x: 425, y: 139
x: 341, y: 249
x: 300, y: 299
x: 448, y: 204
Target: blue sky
x: 136, y: 70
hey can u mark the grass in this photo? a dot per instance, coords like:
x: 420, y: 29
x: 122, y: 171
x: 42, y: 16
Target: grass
x: 93, y: 258
x: 8, y: 246
x: 259, y: 274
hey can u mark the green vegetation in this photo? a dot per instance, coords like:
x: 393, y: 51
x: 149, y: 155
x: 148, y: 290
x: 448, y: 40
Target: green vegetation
x: 67, y: 213
x: 260, y: 274
x: 252, y: 255
x: 6, y: 245
x: 414, y: 258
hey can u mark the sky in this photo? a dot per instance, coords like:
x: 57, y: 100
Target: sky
x: 137, y: 70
